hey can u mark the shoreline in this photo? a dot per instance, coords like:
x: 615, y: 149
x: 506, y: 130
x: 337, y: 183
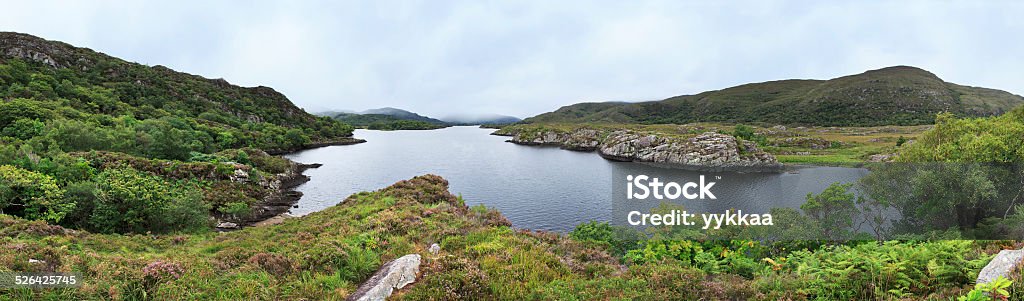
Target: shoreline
x: 273, y: 209
x: 342, y: 141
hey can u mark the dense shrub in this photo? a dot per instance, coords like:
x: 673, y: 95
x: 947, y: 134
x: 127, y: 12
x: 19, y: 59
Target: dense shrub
x: 995, y: 140
x: 130, y: 201
x: 31, y: 195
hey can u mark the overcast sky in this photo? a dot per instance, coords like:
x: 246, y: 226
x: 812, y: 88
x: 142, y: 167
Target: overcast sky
x: 523, y: 58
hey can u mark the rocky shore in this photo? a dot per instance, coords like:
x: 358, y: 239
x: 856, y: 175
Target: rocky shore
x: 278, y: 201
x: 706, y: 151
x: 273, y: 207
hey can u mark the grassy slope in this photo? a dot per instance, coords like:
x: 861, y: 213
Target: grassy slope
x: 324, y: 255
x: 320, y: 256
x: 889, y: 96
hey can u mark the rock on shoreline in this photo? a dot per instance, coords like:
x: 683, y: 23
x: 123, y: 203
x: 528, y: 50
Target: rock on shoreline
x: 280, y: 199
x: 707, y: 151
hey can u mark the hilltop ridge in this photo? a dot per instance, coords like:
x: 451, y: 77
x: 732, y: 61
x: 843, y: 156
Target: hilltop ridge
x: 898, y: 95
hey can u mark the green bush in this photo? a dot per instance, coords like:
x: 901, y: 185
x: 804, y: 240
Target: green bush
x: 617, y: 239
x: 995, y: 290
x: 23, y: 129
x: 130, y: 201
x: 747, y: 133
x: 33, y: 195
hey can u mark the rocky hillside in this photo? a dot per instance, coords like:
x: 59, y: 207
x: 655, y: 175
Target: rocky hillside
x: 705, y: 151
x: 898, y: 95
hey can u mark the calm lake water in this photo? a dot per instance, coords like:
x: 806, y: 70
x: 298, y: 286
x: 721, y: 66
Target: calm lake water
x: 541, y: 188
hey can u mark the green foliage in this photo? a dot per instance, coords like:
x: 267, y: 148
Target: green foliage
x: 617, y: 239
x: 327, y: 254
x: 995, y: 140
x: 833, y: 209
x: 129, y: 201
x: 396, y: 120
x: 593, y: 231
x: 140, y: 110
x: 941, y: 196
x: 31, y: 195
x: 395, y: 125
x: 23, y: 129
x: 19, y: 108
x: 892, y: 270
x: 747, y: 133
x: 994, y: 290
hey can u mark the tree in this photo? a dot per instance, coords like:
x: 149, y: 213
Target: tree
x: 21, y: 109
x: 296, y: 138
x: 747, y: 133
x: 834, y: 209
x: 23, y: 129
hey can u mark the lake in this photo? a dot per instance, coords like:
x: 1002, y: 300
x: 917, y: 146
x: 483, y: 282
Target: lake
x: 540, y: 188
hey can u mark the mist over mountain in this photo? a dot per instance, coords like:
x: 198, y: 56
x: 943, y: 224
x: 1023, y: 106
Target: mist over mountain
x: 478, y: 119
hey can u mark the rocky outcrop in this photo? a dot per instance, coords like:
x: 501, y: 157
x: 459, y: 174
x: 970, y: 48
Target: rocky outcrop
x: 707, y: 151
x: 280, y: 196
x: 882, y: 158
x: 53, y: 54
x: 1002, y: 265
x: 391, y: 276
x: 582, y: 139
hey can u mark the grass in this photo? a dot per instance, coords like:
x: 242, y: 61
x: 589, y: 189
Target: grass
x: 326, y: 255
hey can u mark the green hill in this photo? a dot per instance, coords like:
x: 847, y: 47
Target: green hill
x: 94, y: 142
x: 898, y: 95
x: 387, y: 119
x: 49, y: 81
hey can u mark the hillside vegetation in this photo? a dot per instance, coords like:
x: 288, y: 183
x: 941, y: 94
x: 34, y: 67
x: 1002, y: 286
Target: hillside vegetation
x: 91, y: 141
x: 325, y: 255
x: 899, y: 95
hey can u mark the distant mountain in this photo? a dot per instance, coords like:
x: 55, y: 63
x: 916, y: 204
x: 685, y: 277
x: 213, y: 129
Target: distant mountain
x: 386, y: 119
x: 900, y: 95
x: 480, y: 119
x: 401, y: 114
